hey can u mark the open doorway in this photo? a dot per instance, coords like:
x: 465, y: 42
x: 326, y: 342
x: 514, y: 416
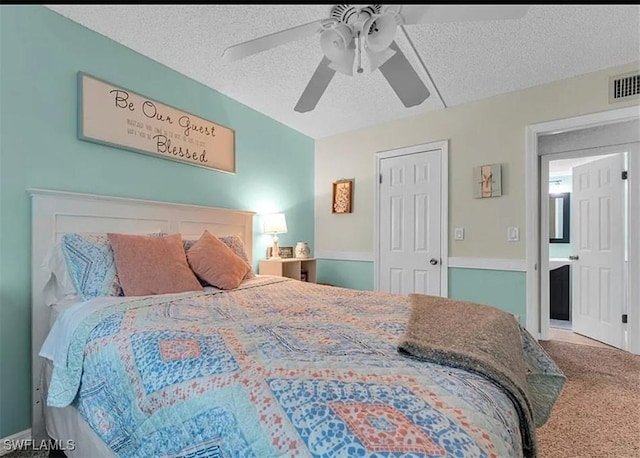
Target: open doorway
x: 581, y: 136
x: 588, y: 244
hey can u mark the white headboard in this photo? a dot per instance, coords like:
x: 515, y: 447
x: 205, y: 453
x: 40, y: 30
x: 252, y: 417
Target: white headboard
x: 55, y: 213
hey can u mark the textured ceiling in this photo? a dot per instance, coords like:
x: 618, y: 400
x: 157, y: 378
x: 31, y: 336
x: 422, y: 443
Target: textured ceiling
x: 467, y: 60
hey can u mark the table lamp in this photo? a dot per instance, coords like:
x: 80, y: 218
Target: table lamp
x: 275, y: 224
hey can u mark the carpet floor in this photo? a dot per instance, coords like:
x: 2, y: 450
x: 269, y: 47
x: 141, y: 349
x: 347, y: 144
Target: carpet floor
x: 598, y: 413
x: 596, y: 416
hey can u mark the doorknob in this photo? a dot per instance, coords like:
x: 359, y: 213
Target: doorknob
x: 573, y: 258
x: 433, y: 261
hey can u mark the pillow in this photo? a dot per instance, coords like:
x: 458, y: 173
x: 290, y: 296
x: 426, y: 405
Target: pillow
x: 236, y: 244
x: 216, y: 263
x: 59, y: 287
x: 152, y: 265
x: 91, y: 266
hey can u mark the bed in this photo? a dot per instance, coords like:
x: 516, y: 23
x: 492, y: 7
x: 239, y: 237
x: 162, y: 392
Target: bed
x: 273, y: 368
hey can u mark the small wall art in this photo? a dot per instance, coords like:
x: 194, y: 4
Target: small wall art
x: 342, y: 196
x: 487, y: 181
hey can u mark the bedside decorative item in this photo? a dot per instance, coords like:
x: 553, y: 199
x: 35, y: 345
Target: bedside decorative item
x: 302, y: 250
x: 286, y: 252
x: 342, y: 196
x: 487, y: 181
x: 275, y: 224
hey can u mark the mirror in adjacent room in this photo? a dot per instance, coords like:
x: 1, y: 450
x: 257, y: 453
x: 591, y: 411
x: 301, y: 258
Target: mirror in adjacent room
x: 559, y: 212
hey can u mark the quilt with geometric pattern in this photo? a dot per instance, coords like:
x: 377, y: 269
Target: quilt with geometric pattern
x: 274, y: 368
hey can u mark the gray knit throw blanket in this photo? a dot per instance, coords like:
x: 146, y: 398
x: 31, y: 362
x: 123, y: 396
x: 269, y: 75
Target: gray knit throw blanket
x: 477, y: 338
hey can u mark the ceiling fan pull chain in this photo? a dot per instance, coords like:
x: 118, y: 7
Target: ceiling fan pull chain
x: 359, y: 53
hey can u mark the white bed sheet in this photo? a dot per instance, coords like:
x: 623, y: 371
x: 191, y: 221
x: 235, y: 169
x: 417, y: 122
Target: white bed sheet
x: 59, y: 307
x: 56, y: 345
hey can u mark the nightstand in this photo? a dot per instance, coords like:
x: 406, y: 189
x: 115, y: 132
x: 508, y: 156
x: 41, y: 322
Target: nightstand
x: 289, y: 267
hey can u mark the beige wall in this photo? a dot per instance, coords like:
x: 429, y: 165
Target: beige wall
x: 483, y: 132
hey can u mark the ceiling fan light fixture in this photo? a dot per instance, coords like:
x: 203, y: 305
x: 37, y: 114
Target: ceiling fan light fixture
x: 379, y: 32
x: 335, y: 41
x: 345, y: 63
x: 337, y: 45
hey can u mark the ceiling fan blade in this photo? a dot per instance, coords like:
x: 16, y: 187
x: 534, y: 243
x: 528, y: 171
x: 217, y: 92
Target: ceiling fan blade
x: 316, y: 86
x: 403, y: 79
x: 273, y: 40
x: 420, y: 14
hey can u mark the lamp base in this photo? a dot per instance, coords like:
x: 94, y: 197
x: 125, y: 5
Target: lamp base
x: 275, y: 249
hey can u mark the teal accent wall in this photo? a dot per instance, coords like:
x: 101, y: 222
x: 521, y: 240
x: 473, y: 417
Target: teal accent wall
x: 40, y: 55
x: 347, y: 274
x: 560, y: 250
x: 506, y: 290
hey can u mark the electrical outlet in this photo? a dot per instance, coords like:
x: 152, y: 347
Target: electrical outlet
x: 458, y: 233
x: 513, y: 234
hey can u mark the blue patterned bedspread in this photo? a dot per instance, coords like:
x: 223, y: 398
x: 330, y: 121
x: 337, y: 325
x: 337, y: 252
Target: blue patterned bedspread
x: 275, y: 368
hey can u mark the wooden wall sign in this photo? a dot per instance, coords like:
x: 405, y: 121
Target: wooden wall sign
x: 342, y: 196
x: 487, y: 181
x: 117, y: 117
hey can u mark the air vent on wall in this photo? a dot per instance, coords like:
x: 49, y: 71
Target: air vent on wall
x: 624, y: 87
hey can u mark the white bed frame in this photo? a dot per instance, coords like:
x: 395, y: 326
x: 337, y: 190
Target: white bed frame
x: 55, y: 213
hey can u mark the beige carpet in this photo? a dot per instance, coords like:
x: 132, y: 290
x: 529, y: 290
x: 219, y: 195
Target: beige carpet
x: 598, y: 412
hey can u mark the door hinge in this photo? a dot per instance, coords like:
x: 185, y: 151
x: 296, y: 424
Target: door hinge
x: 624, y: 317
x: 625, y: 175
x: 380, y: 178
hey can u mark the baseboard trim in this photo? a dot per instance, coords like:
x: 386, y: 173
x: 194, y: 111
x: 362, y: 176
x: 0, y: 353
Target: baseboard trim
x: 516, y: 265
x: 361, y: 256
x: 5, y: 441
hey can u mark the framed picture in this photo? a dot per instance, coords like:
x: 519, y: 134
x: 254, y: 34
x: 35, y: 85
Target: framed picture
x: 114, y: 116
x: 487, y: 181
x: 342, y: 196
x: 286, y: 252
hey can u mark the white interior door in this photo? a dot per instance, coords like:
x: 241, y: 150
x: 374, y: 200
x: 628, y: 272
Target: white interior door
x: 410, y: 223
x: 598, y: 242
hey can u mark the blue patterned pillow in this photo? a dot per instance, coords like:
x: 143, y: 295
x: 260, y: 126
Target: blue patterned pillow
x: 91, y: 265
x: 237, y: 245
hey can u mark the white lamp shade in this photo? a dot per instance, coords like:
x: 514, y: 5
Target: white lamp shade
x: 380, y: 37
x: 334, y: 42
x: 274, y: 223
x: 337, y: 44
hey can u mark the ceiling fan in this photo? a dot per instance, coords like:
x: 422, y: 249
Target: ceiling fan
x: 351, y: 29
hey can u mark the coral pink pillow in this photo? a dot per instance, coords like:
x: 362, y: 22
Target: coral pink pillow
x: 217, y: 264
x: 152, y: 265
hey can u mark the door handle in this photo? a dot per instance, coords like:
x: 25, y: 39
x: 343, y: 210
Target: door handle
x: 433, y: 261
x: 574, y: 258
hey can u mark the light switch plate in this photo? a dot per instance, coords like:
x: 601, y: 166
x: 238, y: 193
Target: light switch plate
x: 513, y: 234
x: 458, y: 233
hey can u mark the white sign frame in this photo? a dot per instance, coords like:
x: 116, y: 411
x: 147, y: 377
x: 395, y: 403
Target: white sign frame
x: 114, y: 116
